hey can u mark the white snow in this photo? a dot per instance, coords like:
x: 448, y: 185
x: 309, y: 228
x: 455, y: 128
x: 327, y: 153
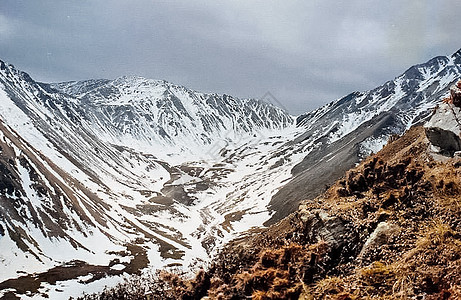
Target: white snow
x: 73, y: 288
x: 372, y: 145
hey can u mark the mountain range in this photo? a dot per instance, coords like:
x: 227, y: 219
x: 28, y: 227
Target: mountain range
x: 106, y: 177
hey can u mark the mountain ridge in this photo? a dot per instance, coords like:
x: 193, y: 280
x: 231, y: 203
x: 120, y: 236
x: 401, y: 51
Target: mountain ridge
x: 409, y: 97
x: 211, y: 115
x: 135, y: 203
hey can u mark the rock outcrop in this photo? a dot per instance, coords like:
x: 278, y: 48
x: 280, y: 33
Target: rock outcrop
x: 380, y: 236
x: 320, y: 226
x: 444, y: 128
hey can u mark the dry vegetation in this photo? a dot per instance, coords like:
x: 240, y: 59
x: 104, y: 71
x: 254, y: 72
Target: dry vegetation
x: 390, y: 229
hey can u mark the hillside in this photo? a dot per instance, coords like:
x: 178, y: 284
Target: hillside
x: 340, y: 134
x: 389, y: 229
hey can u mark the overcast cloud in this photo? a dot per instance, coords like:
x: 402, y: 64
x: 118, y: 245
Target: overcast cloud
x: 306, y: 53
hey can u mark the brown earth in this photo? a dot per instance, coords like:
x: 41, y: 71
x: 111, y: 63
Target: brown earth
x: 390, y: 229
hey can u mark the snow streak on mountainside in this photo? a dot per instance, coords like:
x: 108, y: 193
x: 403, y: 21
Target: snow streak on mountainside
x: 170, y: 209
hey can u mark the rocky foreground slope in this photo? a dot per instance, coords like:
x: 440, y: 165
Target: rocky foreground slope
x: 389, y: 229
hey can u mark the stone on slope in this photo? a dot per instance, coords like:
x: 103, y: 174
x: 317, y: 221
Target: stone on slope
x: 320, y: 226
x: 444, y: 129
x: 378, y: 237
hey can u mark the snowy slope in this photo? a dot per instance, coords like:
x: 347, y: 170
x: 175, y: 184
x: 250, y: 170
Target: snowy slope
x: 147, y: 114
x: 409, y: 96
x: 122, y: 179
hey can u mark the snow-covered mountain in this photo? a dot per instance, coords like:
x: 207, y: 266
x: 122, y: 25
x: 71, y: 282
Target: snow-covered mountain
x: 342, y: 132
x: 88, y: 178
x: 142, y: 113
x: 123, y: 174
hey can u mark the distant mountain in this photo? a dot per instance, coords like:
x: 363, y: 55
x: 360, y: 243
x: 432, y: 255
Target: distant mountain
x: 131, y: 173
x: 344, y: 131
x: 141, y: 113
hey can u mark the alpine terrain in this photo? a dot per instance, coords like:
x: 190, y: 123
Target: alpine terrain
x: 104, y: 178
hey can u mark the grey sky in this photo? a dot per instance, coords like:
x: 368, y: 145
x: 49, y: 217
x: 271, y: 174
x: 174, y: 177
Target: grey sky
x: 306, y: 53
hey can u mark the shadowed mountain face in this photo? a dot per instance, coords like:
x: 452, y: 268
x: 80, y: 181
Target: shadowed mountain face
x: 341, y: 133
x: 106, y: 169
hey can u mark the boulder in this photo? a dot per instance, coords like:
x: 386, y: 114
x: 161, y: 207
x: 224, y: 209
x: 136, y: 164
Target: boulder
x: 444, y: 129
x: 378, y: 237
x: 320, y: 226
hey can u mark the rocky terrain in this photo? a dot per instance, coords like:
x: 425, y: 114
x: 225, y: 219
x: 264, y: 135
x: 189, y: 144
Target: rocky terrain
x: 390, y: 228
x: 340, y: 134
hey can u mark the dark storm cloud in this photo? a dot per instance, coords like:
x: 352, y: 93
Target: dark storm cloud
x: 306, y: 53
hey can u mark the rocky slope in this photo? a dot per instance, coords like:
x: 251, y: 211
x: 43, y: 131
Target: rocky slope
x: 389, y: 229
x: 340, y: 134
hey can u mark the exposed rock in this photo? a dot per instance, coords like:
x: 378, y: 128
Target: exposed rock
x: 178, y: 193
x: 378, y: 237
x: 444, y: 129
x: 320, y: 226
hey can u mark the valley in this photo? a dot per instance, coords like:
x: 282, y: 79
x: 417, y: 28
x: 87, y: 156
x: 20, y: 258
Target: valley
x: 126, y: 176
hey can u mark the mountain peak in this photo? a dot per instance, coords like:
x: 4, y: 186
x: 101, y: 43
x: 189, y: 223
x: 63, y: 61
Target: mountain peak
x: 138, y: 79
x: 456, y: 57
x: 157, y: 111
x: 457, y: 53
